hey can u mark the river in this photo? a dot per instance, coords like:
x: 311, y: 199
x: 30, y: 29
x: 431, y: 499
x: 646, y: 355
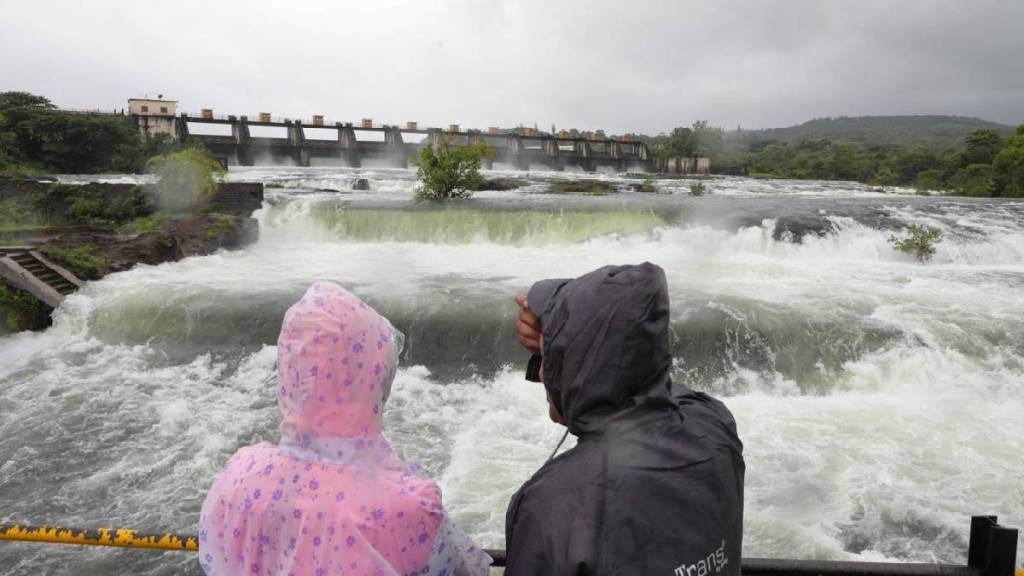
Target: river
x: 879, y: 399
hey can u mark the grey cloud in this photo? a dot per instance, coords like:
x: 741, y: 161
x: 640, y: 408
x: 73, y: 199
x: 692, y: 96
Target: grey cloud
x: 641, y: 66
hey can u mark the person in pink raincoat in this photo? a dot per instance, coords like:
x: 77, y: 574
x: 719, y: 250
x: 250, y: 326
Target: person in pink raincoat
x: 332, y: 497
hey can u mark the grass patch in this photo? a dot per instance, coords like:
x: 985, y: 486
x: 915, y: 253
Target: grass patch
x: 222, y: 226
x: 698, y: 189
x: 152, y: 223
x: 84, y: 261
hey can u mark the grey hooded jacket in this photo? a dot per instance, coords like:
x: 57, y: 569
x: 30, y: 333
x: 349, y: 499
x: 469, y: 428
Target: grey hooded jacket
x: 655, y: 482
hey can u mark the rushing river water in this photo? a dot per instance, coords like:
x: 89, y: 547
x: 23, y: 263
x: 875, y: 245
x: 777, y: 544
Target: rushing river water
x: 879, y: 399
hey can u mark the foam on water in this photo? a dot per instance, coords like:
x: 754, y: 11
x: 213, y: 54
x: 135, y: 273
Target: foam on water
x: 876, y: 396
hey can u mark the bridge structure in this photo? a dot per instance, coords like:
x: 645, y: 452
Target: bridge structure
x: 352, y: 144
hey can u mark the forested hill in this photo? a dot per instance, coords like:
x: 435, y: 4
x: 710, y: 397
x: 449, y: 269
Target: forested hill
x: 932, y: 132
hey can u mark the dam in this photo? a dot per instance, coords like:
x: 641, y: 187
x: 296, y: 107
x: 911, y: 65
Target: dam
x: 395, y: 145
x: 239, y: 140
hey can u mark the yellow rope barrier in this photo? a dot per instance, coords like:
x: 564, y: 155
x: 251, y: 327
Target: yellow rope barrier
x: 118, y: 537
x: 125, y: 538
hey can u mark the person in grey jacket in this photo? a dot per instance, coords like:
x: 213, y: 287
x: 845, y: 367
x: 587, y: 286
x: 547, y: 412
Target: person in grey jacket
x: 654, y: 484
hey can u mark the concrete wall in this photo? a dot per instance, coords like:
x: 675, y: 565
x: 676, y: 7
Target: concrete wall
x: 154, y: 117
x: 151, y: 126
x: 700, y: 165
x: 152, y: 107
x: 239, y: 198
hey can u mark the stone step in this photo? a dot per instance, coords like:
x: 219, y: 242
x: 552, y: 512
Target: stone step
x: 42, y: 272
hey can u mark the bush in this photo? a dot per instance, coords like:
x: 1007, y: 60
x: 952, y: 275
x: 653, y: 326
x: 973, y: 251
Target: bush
x: 124, y: 208
x: 450, y: 171
x: 697, y: 189
x: 920, y: 242
x: 85, y: 210
x: 186, y: 179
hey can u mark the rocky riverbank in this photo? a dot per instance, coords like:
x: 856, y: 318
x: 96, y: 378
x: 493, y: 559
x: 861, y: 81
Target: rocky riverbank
x: 98, y: 229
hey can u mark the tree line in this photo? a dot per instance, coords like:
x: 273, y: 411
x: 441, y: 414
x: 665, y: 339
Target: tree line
x: 36, y: 138
x: 986, y: 163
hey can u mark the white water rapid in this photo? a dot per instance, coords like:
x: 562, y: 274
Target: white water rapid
x: 879, y: 398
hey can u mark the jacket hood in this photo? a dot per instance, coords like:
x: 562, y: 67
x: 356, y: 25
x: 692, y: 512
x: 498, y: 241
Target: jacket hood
x: 606, y: 343
x: 336, y: 359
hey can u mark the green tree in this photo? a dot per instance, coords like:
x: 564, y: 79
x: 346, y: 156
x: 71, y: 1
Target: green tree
x: 12, y: 100
x: 981, y: 147
x: 41, y: 138
x: 909, y: 164
x: 1008, y: 167
x: 973, y: 180
x: 6, y: 146
x: 929, y: 180
x: 450, y: 171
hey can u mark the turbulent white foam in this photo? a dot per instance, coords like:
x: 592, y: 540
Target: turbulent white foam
x: 891, y: 471
x: 911, y: 436
x: 496, y: 431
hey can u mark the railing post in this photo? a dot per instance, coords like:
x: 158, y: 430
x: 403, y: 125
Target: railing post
x: 1002, y: 552
x: 992, y: 548
x: 977, y: 549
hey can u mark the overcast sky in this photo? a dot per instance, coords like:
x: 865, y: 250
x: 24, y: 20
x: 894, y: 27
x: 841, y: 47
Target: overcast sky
x: 621, y: 66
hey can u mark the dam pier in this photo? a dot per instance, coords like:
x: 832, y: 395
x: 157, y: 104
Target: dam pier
x: 244, y: 141
x: 393, y: 145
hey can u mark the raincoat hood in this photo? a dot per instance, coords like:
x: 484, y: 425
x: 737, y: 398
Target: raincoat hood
x: 336, y: 360
x: 606, y: 342
x: 332, y: 497
x: 654, y: 484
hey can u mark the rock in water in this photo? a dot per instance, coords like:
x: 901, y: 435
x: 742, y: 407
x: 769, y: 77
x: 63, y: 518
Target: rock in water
x: 361, y: 184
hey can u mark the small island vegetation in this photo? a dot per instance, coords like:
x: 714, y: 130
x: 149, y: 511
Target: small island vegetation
x: 446, y: 171
x: 919, y: 242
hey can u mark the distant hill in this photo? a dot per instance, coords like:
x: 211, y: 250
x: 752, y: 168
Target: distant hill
x: 934, y: 132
